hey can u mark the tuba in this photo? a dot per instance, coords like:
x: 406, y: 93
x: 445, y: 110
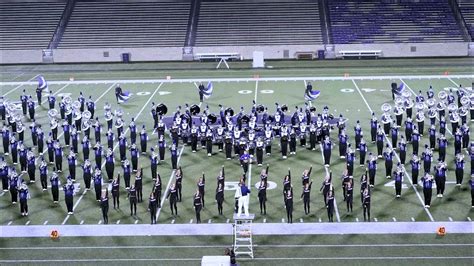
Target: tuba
x: 452, y: 107
x: 86, y: 115
x: 420, y: 106
x: 386, y: 107
x: 465, y: 100
x: 76, y: 104
x: 442, y: 95
x: 52, y: 113
x: 431, y: 102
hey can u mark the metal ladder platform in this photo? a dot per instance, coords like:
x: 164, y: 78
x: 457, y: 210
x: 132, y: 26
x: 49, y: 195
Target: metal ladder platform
x: 243, y: 244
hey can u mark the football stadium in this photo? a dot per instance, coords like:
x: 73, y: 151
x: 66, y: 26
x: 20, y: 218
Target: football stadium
x: 237, y: 132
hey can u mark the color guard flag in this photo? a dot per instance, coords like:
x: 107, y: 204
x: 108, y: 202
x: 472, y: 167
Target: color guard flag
x: 311, y: 95
x: 208, y: 90
x: 124, y: 96
x: 400, y: 89
x: 42, y: 84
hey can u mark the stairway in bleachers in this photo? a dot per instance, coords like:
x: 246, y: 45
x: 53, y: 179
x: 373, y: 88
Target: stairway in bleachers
x: 28, y: 25
x: 467, y: 10
x: 366, y: 21
x: 95, y: 24
x: 258, y: 22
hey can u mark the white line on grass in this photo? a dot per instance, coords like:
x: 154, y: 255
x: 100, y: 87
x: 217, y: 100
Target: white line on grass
x: 227, y: 221
x: 169, y: 184
x: 357, y: 219
x: 394, y: 219
x: 396, y: 155
x: 116, y: 145
x: 338, y: 218
x: 412, y: 219
x: 10, y: 222
x: 450, y: 219
x: 82, y: 222
x: 118, y: 222
x: 136, y: 222
x: 256, y: 90
x: 191, y: 221
x: 28, y: 222
x: 469, y: 219
x: 210, y: 221
x: 264, y: 220
x: 20, y: 84
x: 45, y: 223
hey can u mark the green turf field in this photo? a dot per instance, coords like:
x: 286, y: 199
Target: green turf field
x: 352, y: 96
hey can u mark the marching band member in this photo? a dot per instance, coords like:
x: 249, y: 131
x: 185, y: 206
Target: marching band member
x: 427, y: 156
x: 415, y: 140
x: 465, y: 136
x: 366, y: 204
x: 201, y: 185
x: 394, y: 134
x: 97, y: 130
x: 31, y: 162
x: 91, y: 106
x: 306, y: 197
x: 372, y: 166
x: 122, y: 147
x: 157, y: 187
x: 172, y: 195
x: 116, y: 191
x: 110, y: 139
x: 268, y: 140
x: 4, y: 174
x: 97, y: 183
x: 330, y: 205
x: 209, y: 139
x: 40, y: 140
x: 408, y: 129
x: 31, y: 108
x: 284, y: 141
x: 402, y: 147
x: 143, y: 140
x: 432, y: 136
x: 459, y: 168
x: 58, y: 156
x: 109, y: 164
x: 127, y: 172
x: 350, y: 158
x: 14, y: 182
x: 87, y: 173
x: 132, y: 196
x: 220, y: 197
x: 74, y: 139
x: 153, y: 206
x: 427, y: 188
x: 85, y: 147
x: 457, y: 141
x: 420, y: 119
x: 442, y: 125
x: 22, y: 152
x: 380, y: 139
x: 440, y: 178
x: 442, y: 145
x: 362, y: 151
x: 6, y: 139
x: 55, y: 183
x: 174, y: 156
x: 161, y: 147
x: 133, y: 131
x: 398, y: 177
x: 388, y: 155
x: 374, y: 127
x: 358, y: 134
x: 69, y: 195
x: 327, y: 146
x: 24, y: 196
x: 72, y: 161
x: 98, y: 154
x: 104, y: 205
x: 66, y: 132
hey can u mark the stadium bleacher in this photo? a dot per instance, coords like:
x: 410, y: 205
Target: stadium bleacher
x: 467, y: 10
x: 127, y: 24
x: 259, y: 22
x: 28, y: 25
x: 365, y: 21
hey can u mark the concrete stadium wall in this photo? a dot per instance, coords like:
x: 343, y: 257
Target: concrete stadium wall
x: 21, y: 56
x: 270, y: 52
x: 411, y: 49
x: 115, y: 54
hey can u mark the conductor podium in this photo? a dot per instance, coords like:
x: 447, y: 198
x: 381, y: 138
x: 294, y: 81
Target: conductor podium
x: 242, y: 228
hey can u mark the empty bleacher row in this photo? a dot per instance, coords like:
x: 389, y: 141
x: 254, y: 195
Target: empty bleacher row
x: 28, y: 25
x: 258, y: 22
x: 127, y: 24
x: 467, y: 10
x: 368, y: 21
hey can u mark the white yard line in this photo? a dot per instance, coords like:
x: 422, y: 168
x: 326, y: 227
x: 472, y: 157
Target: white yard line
x: 256, y: 90
x: 116, y: 145
x: 148, y: 81
x: 168, y: 185
x: 338, y: 217
x: 396, y: 155
x: 20, y: 84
